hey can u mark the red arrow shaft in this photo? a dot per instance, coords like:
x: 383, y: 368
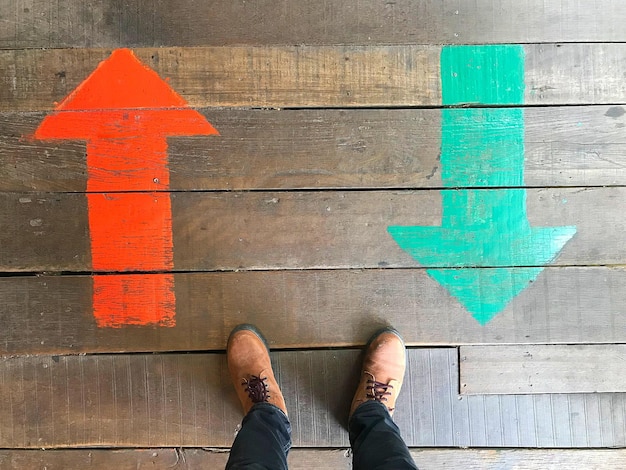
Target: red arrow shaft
x: 127, y: 164
x: 130, y: 231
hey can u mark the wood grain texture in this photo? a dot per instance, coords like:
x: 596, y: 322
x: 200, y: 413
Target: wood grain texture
x: 301, y: 76
x: 295, y: 230
x: 301, y: 309
x: 314, y: 76
x: 299, y: 149
x: 542, y: 369
x: 41, y: 24
x: 324, y: 459
x: 187, y: 400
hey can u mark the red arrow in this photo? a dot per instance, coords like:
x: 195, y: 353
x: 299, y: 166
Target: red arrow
x: 125, y: 111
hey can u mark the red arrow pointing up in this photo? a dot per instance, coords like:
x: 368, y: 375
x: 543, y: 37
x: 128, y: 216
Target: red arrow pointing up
x: 125, y: 111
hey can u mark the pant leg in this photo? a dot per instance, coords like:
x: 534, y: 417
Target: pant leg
x: 263, y: 441
x: 376, y: 441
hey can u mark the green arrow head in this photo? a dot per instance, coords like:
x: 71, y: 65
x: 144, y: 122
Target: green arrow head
x: 481, y: 247
x: 489, y: 278
x: 485, y: 292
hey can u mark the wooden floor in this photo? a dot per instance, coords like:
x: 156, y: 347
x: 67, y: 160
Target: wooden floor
x: 169, y: 170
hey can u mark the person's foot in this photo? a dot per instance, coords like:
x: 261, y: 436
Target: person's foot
x: 383, y: 370
x: 251, y: 369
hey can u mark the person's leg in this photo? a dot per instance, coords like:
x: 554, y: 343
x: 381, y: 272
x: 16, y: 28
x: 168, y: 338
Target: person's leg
x: 265, y: 436
x: 375, y: 439
x: 263, y: 441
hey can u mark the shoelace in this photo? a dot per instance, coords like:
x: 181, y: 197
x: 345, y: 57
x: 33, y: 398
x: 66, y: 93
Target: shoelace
x: 257, y: 389
x: 378, y: 390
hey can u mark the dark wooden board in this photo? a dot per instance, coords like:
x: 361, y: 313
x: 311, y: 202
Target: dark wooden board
x: 298, y: 149
x: 322, y: 459
x: 191, y: 23
x: 300, y: 309
x: 296, y: 230
x: 314, y: 76
x: 187, y: 400
x: 542, y: 368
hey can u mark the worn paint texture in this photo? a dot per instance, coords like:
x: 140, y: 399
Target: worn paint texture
x: 484, y: 232
x: 125, y: 112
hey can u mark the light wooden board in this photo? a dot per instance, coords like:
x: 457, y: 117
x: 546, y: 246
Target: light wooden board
x: 53, y: 314
x: 159, y: 23
x: 287, y: 149
x: 187, y: 400
x: 296, y: 230
x: 324, y: 459
x: 543, y: 369
x: 314, y: 76
x: 301, y: 76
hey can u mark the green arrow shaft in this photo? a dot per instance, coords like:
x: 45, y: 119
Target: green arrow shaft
x: 491, y: 210
x: 483, y: 147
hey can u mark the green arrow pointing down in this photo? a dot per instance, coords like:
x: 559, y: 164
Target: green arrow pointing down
x: 483, y: 228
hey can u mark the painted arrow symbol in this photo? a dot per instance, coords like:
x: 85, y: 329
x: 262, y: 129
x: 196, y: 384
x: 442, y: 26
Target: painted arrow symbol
x: 125, y: 112
x: 483, y: 147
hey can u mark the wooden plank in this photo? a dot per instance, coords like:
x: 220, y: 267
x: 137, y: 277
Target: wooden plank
x: 295, y: 230
x: 299, y: 149
x: 325, y: 459
x: 538, y: 368
x: 314, y: 76
x: 590, y: 72
x: 56, y: 311
x: 40, y: 24
x: 53, y: 314
x: 256, y: 149
x: 302, y: 76
x: 187, y: 400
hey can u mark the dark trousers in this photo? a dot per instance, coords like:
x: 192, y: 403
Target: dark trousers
x: 265, y: 438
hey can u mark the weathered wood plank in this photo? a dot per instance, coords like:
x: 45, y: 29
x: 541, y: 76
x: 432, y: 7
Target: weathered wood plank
x: 287, y: 149
x: 187, y: 400
x: 574, y: 73
x: 296, y: 230
x: 42, y: 24
x: 543, y: 369
x: 325, y: 459
x: 301, y: 76
x: 53, y: 314
x: 314, y: 76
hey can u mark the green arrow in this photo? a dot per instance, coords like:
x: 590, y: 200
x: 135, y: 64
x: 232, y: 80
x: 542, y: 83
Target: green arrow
x: 483, y: 228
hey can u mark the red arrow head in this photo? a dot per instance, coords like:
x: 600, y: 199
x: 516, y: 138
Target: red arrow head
x: 119, y: 82
x: 112, y: 102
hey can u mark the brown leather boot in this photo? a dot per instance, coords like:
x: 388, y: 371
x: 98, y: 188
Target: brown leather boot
x: 251, y: 369
x: 383, y: 370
